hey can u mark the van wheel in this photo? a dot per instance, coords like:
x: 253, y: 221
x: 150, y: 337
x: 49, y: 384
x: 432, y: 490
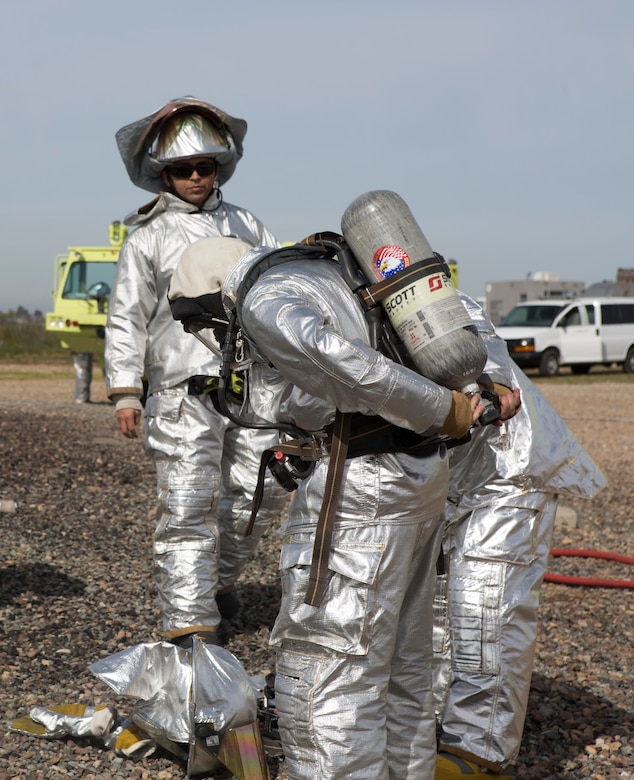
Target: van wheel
x: 549, y: 363
x: 628, y: 366
x: 580, y: 368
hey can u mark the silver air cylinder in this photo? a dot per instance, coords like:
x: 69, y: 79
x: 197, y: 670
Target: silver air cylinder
x: 425, y: 310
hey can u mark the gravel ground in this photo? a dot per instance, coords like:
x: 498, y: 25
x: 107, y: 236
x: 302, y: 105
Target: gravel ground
x: 76, y: 586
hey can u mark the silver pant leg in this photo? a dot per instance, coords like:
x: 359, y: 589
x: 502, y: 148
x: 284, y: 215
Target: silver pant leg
x: 498, y: 556
x: 185, y: 438
x: 411, y: 721
x: 240, y: 464
x: 82, y: 363
x: 353, y: 685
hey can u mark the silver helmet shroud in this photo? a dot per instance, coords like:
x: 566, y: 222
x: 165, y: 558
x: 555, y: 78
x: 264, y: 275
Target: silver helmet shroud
x: 184, y: 127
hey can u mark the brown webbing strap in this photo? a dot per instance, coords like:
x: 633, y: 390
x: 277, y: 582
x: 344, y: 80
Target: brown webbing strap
x: 377, y: 292
x: 325, y: 524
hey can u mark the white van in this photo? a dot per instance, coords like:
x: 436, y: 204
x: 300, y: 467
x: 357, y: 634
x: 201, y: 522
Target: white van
x: 579, y: 333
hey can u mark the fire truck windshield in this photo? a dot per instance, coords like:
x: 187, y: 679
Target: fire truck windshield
x: 84, y: 275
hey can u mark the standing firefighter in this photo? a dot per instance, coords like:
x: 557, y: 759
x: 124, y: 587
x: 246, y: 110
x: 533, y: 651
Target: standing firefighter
x: 503, y: 491
x: 206, y: 466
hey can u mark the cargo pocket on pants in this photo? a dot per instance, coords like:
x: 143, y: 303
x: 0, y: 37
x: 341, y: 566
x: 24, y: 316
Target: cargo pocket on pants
x: 343, y: 621
x: 163, y: 426
x: 504, y: 532
x: 475, y: 617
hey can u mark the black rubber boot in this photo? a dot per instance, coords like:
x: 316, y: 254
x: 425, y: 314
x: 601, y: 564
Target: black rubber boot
x: 208, y: 637
x: 228, y: 605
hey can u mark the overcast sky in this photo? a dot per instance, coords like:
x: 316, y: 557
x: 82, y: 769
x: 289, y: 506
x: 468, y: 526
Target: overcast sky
x: 506, y: 125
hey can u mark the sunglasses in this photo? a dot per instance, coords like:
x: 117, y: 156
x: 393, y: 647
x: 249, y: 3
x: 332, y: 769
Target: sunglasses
x: 185, y: 170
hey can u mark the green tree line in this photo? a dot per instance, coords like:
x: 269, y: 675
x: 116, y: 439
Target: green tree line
x: 22, y: 339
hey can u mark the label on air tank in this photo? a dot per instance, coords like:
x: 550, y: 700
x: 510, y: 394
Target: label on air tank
x: 389, y: 260
x: 425, y: 310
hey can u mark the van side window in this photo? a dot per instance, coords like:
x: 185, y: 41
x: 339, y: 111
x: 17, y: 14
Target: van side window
x: 611, y: 314
x: 573, y: 317
x: 617, y: 313
x: 590, y: 313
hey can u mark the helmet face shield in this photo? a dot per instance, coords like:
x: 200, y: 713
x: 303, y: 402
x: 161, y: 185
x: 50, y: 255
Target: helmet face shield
x: 186, y: 134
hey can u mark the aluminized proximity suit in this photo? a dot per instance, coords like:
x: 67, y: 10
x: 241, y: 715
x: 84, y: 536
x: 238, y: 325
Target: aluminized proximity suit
x: 503, y: 491
x: 353, y: 684
x: 206, y: 466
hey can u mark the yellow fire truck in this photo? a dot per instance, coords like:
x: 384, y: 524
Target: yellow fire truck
x: 83, y: 280
x: 453, y: 267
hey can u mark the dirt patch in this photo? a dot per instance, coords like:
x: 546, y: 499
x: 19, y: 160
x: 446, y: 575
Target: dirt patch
x: 76, y: 585
x: 54, y: 381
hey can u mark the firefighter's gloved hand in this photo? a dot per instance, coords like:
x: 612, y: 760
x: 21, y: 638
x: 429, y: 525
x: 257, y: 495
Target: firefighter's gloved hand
x: 509, y: 400
x: 128, y: 740
x: 460, y: 417
x: 75, y: 720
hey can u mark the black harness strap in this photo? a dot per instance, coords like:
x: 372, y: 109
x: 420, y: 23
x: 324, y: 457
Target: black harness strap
x: 367, y: 435
x: 258, y: 493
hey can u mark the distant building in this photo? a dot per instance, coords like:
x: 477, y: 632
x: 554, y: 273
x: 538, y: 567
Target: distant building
x: 623, y: 285
x: 603, y: 289
x: 502, y: 296
x: 625, y: 281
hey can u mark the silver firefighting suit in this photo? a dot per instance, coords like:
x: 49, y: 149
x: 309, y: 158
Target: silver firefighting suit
x: 82, y: 364
x: 503, y: 491
x: 206, y: 466
x: 353, y: 684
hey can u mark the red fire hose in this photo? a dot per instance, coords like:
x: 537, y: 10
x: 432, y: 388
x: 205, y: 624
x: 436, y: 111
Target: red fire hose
x: 590, y: 582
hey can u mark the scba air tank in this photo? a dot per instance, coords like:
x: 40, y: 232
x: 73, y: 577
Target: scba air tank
x: 425, y: 310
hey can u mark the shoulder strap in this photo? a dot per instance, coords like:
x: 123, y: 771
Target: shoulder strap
x: 234, y: 326
x: 275, y: 257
